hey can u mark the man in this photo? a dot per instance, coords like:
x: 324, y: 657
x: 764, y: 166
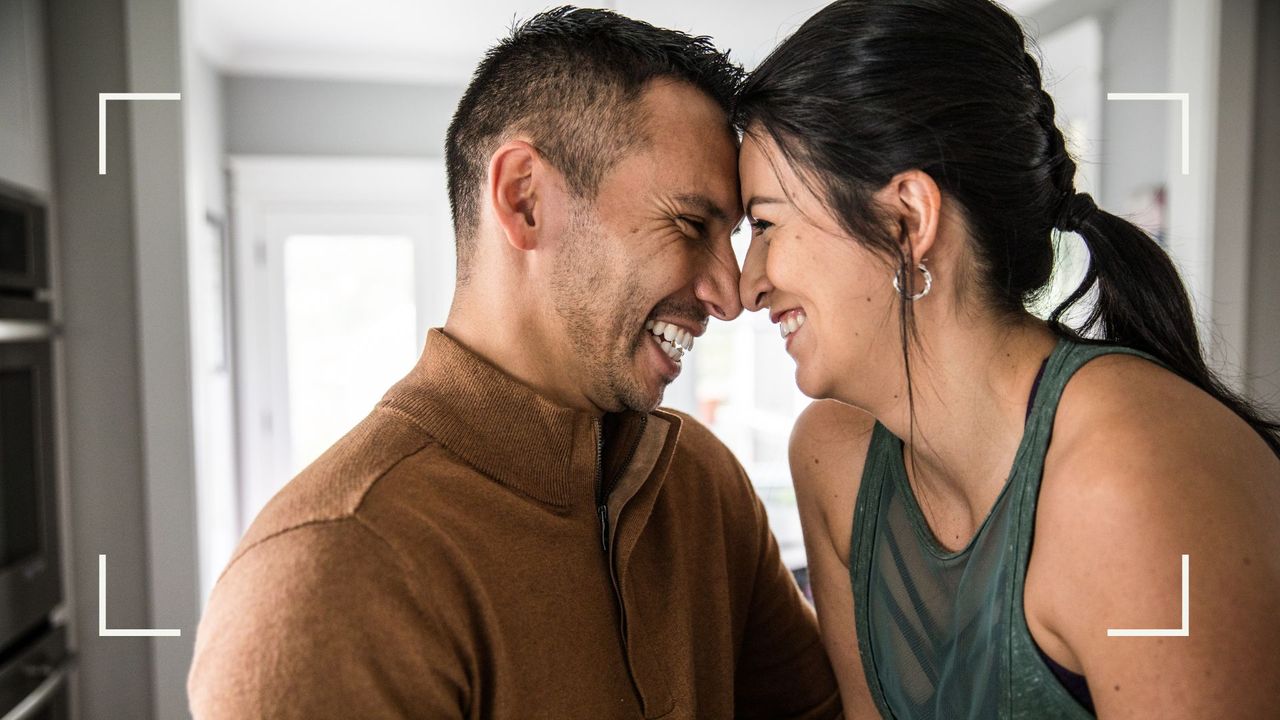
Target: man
x: 515, y: 531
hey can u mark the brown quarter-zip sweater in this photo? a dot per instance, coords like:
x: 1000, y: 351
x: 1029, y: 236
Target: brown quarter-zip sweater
x: 450, y: 558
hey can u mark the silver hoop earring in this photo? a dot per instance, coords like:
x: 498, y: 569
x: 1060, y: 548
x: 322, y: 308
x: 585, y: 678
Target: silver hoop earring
x: 928, y: 284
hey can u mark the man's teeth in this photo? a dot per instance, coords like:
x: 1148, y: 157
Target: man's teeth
x: 791, y: 322
x: 674, y: 340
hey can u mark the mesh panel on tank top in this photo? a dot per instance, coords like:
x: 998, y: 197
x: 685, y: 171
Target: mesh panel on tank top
x: 942, y: 634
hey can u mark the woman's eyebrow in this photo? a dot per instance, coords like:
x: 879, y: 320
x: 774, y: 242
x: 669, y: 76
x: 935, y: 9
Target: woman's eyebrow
x: 761, y: 200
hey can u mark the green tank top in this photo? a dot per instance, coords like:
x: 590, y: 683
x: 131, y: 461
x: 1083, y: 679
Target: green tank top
x: 942, y: 635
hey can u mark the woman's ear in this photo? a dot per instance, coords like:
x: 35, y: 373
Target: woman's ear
x: 514, y: 189
x: 917, y: 205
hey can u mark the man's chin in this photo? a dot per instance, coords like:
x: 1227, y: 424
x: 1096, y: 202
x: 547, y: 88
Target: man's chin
x: 644, y: 397
x: 654, y: 403
x: 643, y: 390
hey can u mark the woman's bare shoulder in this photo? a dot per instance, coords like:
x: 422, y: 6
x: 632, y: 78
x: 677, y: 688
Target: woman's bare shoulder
x: 828, y: 447
x: 1136, y: 446
x: 1143, y: 469
x: 1119, y: 411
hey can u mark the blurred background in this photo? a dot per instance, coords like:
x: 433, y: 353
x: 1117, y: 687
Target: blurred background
x: 263, y: 258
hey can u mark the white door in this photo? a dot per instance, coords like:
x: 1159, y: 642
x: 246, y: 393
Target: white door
x: 345, y: 265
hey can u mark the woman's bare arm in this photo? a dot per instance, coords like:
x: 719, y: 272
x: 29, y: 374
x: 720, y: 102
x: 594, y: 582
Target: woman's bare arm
x: 828, y: 447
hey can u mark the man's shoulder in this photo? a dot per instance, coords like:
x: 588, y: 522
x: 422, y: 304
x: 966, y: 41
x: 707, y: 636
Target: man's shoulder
x: 294, y: 601
x: 336, y: 484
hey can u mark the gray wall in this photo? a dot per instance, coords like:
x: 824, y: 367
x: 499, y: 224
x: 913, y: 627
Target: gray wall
x: 282, y: 116
x: 95, y: 222
x: 1263, y: 360
x: 155, y: 62
x: 1134, y: 146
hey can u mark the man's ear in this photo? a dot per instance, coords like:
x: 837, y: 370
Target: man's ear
x: 515, y: 188
x: 916, y: 203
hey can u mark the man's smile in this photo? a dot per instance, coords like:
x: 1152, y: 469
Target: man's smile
x: 674, y: 340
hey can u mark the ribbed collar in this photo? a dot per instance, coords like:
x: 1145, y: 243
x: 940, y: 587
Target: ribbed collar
x: 500, y: 426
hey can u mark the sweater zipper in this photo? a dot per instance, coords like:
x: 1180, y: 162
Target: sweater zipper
x: 602, y: 506
x: 602, y: 510
x: 602, y: 491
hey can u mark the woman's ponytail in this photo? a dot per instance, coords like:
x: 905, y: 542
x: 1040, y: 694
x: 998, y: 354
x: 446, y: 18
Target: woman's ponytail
x: 1141, y: 303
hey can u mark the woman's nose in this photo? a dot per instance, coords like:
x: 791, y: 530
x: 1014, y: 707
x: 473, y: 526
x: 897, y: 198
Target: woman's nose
x: 754, y: 286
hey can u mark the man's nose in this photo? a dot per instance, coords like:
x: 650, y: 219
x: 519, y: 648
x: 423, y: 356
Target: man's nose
x: 754, y: 285
x: 717, y: 288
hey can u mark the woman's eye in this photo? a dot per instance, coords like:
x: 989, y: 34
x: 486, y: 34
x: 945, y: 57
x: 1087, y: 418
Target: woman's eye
x: 759, y: 226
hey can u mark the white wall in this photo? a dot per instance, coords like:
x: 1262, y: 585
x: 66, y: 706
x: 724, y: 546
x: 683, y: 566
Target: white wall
x: 292, y: 116
x: 1134, y: 139
x: 206, y: 107
x: 1211, y: 59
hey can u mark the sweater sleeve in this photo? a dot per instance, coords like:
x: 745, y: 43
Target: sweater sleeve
x: 319, y: 621
x: 783, y: 670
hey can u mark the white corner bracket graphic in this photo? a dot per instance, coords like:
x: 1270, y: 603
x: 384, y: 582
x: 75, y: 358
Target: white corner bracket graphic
x: 1185, y: 630
x: 1185, y: 99
x: 102, y: 118
x: 103, y: 630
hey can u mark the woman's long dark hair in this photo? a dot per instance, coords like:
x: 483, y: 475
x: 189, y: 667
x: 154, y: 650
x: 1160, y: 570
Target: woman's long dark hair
x: 867, y: 89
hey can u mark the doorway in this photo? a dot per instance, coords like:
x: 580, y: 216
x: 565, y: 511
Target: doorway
x: 342, y: 267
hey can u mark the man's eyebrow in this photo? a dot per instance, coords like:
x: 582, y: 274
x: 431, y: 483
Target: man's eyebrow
x: 761, y: 200
x: 704, y: 205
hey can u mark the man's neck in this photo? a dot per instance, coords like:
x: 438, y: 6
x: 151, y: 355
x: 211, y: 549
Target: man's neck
x: 517, y: 344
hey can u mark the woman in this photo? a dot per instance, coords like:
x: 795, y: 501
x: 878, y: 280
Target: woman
x: 993, y: 492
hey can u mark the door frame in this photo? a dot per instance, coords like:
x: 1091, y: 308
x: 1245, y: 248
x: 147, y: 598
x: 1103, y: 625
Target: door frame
x: 273, y: 197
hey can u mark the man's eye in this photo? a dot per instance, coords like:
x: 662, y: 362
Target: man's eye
x: 698, y: 227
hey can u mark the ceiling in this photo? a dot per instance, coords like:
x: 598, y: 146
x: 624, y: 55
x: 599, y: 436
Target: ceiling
x: 440, y: 42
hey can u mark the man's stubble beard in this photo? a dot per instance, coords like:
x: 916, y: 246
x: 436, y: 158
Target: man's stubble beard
x: 598, y: 317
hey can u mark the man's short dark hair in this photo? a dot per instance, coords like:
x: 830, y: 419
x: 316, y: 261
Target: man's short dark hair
x: 570, y: 80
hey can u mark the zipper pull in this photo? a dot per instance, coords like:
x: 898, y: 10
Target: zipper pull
x: 603, y: 512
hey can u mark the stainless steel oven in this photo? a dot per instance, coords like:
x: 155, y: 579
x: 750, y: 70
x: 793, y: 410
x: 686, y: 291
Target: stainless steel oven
x: 30, y: 577
x: 34, y: 680
x: 24, y: 253
x: 32, y: 647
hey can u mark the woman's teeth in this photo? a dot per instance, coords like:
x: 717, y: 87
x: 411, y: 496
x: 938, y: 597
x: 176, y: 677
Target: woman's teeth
x: 674, y: 340
x: 791, y: 322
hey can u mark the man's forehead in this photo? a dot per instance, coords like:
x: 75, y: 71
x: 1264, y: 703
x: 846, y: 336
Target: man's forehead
x: 690, y: 149
x: 677, y: 111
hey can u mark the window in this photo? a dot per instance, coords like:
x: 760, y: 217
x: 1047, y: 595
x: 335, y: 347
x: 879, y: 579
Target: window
x: 350, y: 326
